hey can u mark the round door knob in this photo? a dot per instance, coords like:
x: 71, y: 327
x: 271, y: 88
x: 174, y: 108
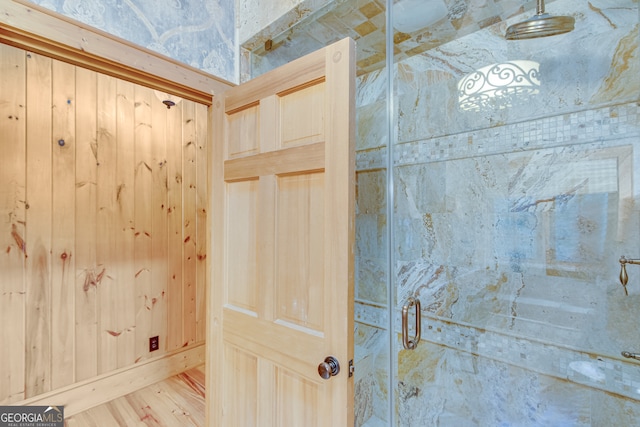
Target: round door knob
x: 329, y: 368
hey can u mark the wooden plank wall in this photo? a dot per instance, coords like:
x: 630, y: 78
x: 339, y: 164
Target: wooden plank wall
x: 102, y: 224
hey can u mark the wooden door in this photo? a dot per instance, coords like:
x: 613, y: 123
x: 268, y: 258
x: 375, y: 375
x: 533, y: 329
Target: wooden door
x: 283, y: 236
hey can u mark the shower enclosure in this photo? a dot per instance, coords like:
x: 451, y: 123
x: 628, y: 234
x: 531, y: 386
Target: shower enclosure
x: 498, y: 184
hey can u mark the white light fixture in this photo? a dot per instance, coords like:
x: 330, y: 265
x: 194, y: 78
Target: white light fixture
x: 414, y: 15
x: 499, y: 85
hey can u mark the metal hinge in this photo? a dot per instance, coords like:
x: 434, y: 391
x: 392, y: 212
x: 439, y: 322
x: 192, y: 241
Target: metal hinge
x: 351, y: 368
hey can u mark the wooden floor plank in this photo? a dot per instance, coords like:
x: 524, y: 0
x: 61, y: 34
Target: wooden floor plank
x: 178, y: 400
x: 126, y: 414
x: 184, y: 399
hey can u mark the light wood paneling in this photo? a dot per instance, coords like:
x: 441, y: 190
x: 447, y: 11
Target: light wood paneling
x: 88, y: 273
x: 39, y: 193
x: 63, y: 230
x: 202, y: 229
x: 158, y: 299
x: 12, y: 225
x: 124, y: 255
x: 106, y: 252
x: 143, y: 228
x: 174, y: 222
x: 101, y: 235
x: 189, y: 223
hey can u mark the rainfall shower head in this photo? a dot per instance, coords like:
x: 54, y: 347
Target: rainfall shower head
x: 540, y: 25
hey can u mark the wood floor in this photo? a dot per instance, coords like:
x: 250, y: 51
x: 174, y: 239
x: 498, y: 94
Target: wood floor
x: 177, y: 401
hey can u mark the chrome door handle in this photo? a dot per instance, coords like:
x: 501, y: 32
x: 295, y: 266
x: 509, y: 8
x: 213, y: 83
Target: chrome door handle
x: 329, y: 368
x: 407, y: 343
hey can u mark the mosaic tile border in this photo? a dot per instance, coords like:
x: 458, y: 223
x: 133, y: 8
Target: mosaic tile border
x: 371, y: 314
x: 597, y: 125
x: 600, y: 372
x: 580, y: 367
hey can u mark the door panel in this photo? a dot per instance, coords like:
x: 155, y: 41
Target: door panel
x: 299, y: 244
x: 303, y: 116
x: 242, y: 129
x: 283, y: 235
x: 243, y: 383
x: 303, y: 405
x: 242, y: 224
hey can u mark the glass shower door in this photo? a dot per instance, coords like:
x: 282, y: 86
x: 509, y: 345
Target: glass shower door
x: 515, y: 193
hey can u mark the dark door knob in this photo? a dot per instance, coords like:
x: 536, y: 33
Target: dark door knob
x: 329, y: 368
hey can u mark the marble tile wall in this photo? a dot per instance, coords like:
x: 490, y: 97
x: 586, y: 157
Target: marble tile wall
x: 200, y: 33
x: 496, y: 292
x: 508, y: 225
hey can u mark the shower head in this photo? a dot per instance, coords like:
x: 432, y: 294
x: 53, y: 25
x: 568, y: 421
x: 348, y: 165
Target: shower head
x: 540, y: 25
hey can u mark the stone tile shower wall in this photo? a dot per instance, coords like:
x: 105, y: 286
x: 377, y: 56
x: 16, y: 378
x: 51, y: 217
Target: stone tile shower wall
x: 515, y: 333
x: 509, y: 223
x: 200, y: 33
